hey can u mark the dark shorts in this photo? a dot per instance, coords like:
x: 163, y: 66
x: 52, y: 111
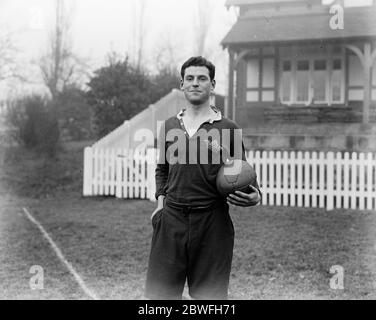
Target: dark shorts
x: 194, y: 245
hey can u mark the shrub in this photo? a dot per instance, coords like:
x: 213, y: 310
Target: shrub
x: 74, y: 114
x: 36, y: 124
x: 119, y: 91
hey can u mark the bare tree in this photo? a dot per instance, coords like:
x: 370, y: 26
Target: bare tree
x: 139, y: 30
x: 60, y: 66
x: 204, y: 15
x: 9, y: 65
x: 167, y: 52
x: 6, y: 48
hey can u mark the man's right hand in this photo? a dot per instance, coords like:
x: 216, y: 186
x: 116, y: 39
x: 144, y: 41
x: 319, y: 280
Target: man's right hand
x: 159, y: 206
x: 155, y: 211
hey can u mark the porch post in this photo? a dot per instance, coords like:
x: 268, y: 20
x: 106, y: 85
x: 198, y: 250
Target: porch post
x: 367, y: 94
x: 366, y: 58
x: 367, y: 81
x: 230, y: 102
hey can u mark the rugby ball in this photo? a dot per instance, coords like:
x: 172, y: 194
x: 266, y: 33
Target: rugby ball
x: 235, y: 175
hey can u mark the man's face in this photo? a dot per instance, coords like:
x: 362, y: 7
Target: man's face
x: 197, y: 85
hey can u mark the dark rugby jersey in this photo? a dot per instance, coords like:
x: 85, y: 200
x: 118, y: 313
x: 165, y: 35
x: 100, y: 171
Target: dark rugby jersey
x: 187, y: 167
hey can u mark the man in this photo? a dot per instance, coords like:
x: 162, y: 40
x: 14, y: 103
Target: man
x: 193, y: 235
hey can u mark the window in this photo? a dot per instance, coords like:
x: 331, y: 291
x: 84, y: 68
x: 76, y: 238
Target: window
x: 337, y: 78
x: 267, y: 96
x: 311, y: 75
x: 260, y: 79
x: 319, y: 80
x: 302, y: 81
x: 253, y: 79
x: 252, y: 96
x: 356, y: 82
x: 268, y: 81
x: 268, y: 73
x: 286, y: 81
x: 253, y: 73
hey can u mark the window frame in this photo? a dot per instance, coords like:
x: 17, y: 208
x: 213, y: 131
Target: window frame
x: 260, y: 56
x: 329, y: 57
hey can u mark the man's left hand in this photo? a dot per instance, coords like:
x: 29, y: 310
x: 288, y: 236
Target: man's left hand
x: 242, y: 199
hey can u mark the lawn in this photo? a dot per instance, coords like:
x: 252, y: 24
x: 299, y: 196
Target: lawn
x: 280, y: 253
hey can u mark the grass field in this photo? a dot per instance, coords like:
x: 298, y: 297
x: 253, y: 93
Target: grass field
x: 280, y: 253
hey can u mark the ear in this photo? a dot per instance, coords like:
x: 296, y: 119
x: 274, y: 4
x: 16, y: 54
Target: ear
x: 213, y: 84
x: 181, y: 84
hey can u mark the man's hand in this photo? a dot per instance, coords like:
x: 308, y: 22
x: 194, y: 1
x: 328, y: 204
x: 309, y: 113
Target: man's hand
x: 159, y: 206
x: 242, y: 199
x: 155, y: 211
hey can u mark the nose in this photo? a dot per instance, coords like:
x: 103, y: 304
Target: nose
x: 195, y: 82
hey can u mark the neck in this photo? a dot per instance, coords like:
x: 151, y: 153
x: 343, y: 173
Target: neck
x: 196, y: 111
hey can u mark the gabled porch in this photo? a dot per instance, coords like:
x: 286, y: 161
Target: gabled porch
x: 292, y: 71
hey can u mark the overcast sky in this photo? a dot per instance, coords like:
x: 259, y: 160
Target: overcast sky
x: 100, y: 26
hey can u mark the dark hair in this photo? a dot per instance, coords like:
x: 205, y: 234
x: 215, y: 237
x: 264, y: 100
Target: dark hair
x: 198, y: 62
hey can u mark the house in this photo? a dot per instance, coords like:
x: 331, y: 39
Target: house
x: 298, y: 79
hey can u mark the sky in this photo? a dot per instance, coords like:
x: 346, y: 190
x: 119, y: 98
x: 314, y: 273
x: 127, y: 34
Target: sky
x: 101, y: 26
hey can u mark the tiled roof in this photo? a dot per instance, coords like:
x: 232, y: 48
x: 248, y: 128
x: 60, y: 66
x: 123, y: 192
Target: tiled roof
x: 359, y: 22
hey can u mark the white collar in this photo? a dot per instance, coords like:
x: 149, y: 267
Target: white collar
x: 216, y: 117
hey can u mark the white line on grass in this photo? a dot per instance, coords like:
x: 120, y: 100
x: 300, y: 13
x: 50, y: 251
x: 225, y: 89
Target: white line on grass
x: 60, y: 255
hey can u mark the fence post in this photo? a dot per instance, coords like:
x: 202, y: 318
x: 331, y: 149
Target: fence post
x: 151, y: 166
x: 330, y: 181
x: 370, y: 179
x: 88, y: 172
x: 119, y: 173
x: 362, y: 191
x: 126, y: 135
x: 153, y: 120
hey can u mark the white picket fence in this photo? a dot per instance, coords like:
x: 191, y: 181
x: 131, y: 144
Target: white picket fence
x: 297, y: 179
x: 121, y: 173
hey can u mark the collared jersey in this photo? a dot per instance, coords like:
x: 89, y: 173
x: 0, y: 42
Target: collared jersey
x: 187, y: 167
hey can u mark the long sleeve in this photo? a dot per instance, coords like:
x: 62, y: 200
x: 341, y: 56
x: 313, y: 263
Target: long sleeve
x: 235, y: 137
x: 161, y: 171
